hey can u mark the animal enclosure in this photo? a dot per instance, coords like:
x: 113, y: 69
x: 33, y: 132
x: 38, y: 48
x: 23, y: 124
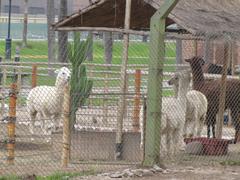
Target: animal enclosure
x: 127, y: 96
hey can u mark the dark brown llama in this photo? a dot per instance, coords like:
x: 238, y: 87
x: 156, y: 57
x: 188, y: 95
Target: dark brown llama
x: 211, y: 89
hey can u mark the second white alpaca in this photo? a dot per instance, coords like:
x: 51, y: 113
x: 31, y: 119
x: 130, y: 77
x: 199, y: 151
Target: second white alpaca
x: 46, y: 101
x: 196, y: 106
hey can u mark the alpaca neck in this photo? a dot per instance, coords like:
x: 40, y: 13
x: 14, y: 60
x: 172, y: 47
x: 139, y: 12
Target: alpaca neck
x: 59, y: 88
x: 198, y: 76
x: 183, y: 89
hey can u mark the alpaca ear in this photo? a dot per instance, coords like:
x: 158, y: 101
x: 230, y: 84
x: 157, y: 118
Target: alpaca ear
x: 56, y: 71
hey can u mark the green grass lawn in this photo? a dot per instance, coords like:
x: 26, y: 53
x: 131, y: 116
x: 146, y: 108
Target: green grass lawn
x: 37, y: 51
x: 138, y: 51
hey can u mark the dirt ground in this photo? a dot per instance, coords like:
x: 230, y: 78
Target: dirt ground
x: 186, y: 173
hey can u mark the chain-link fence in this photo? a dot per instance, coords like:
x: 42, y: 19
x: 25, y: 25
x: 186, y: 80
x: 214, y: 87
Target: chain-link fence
x: 94, y: 137
x: 92, y: 111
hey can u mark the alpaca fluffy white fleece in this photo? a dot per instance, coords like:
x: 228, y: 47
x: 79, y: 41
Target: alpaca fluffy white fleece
x: 196, y: 106
x: 47, y: 101
x: 173, y: 116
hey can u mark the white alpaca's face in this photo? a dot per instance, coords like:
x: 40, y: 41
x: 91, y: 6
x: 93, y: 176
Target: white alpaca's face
x: 64, y: 74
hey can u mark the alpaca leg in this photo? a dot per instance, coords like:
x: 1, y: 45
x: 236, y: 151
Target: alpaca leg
x: 187, y: 122
x: 200, y: 127
x: 56, y: 122
x: 168, y: 143
x: 194, y: 122
x: 46, y: 129
x: 185, y: 129
x: 208, y: 130
x: 213, y: 130
x: 176, y: 144
x: 32, y: 123
x: 236, y: 123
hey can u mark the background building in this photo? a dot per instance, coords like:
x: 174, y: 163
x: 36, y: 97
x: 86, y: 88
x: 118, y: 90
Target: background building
x: 39, y: 7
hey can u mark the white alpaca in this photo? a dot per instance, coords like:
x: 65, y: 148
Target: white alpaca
x: 173, y: 116
x: 196, y: 106
x: 46, y: 101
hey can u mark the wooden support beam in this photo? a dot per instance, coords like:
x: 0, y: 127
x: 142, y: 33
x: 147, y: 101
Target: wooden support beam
x: 223, y: 88
x: 66, y: 128
x: 12, y: 125
x: 136, y: 109
x: 123, y: 88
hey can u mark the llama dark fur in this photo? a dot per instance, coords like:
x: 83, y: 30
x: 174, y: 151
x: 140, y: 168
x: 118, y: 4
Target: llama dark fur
x: 217, y: 69
x: 211, y: 89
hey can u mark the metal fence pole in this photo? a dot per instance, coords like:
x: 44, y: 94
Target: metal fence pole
x: 155, y: 78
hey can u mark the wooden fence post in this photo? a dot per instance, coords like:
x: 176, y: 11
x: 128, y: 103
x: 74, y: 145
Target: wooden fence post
x: 136, y: 109
x: 122, y: 100
x: 4, y: 79
x: 34, y: 75
x: 105, y: 100
x: 11, y: 124
x: 66, y: 128
x: 223, y: 88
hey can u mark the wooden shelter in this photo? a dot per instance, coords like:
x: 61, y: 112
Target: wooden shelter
x: 197, y: 17
x: 110, y: 14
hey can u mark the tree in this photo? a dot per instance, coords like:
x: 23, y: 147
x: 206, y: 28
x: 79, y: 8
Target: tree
x: 25, y: 23
x: 62, y: 36
x: 51, y: 33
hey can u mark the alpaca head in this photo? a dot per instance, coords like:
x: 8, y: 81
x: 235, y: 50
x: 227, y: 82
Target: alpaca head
x: 196, y: 61
x: 63, y: 76
x: 183, y: 77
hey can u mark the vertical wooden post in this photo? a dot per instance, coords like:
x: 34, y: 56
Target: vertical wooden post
x: 137, y: 97
x: 105, y: 100
x: 19, y: 82
x: 34, y: 75
x: 122, y: 100
x: 66, y: 128
x: 179, y: 53
x: 4, y: 80
x: 11, y: 124
x: 19, y: 78
x: 195, y: 48
x: 155, y: 78
x: 223, y: 89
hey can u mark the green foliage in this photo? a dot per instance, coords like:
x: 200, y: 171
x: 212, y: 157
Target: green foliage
x: 80, y: 85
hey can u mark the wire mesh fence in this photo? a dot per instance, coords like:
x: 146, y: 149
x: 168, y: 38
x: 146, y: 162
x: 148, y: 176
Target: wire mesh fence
x: 105, y: 115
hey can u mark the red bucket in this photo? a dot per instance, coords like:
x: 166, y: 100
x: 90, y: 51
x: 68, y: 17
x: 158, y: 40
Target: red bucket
x: 211, y: 146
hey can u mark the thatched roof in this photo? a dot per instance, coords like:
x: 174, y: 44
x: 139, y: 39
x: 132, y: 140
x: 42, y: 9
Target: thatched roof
x: 205, y: 16
x: 196, y: 16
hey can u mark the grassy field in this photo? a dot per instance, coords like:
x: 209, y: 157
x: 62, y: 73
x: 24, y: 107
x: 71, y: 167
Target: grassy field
x: 138, y: 52
x: 37, y: 51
